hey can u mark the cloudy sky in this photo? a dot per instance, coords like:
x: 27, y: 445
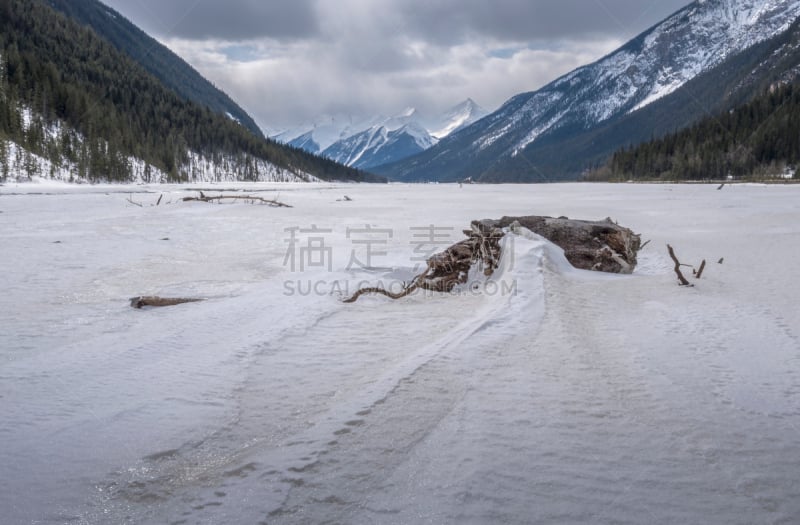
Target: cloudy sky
x: 290, y: 61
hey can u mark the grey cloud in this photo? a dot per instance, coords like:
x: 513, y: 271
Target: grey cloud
x: 443, y: 22
x: 452, y: 21
x: 289, y: 61
x: 225, y: 20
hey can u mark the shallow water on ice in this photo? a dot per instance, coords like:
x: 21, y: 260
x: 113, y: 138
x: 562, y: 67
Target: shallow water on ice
x: 578, y: 398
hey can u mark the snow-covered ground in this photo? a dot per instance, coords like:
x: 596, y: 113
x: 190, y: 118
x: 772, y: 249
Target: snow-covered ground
x: 548, y: 395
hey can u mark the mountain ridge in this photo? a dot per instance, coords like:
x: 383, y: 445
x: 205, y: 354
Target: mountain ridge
x: 646, y: 69
x: 724, y: 88
x: 380, y: 144
x: 380, y: 140
x: 156, y: 58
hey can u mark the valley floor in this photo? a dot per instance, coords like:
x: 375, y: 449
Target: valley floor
x: 548, y: 395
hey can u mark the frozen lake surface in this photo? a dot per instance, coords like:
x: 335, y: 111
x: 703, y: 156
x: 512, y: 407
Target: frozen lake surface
x: 547, y: 395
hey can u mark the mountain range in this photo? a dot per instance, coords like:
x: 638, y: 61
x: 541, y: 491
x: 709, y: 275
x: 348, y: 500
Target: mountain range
x: 86, y: 95
x: 578, y: 120
x: 379, y: 140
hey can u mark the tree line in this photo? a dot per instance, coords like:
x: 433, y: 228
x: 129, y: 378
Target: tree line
x: 758, y: 139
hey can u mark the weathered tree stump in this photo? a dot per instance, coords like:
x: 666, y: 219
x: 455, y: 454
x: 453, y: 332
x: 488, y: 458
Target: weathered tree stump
x: 591, y: 245
x: 602, y: 246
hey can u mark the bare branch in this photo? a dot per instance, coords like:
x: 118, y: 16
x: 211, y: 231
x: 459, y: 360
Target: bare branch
x: 246, y: 198
x: 700, y: 271
x: 681, y: 278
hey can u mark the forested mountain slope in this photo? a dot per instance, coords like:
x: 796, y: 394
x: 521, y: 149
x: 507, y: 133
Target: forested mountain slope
x: 758, y: 139
x: 71, y: 101
x: 157, y: 59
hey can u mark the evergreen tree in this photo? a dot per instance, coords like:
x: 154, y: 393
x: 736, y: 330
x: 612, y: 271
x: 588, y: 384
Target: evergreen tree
x: 760, y: 138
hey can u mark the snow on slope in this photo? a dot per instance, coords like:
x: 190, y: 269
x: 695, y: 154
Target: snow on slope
x: 392, y: 139
x: 17, y: 163
x: 317, y: 136
x: 225, y: 168
x: 378, y: 140
x: 651, y: 66
x: 456, y: 118
x: 746, y: 23
x: 580, y: 398
x: 22, y: 165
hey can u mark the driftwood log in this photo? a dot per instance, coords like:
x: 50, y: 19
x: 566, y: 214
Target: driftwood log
x: 591, y: 245
x: 602, y: 246
x: 246, y: 198
x: 155, y: 301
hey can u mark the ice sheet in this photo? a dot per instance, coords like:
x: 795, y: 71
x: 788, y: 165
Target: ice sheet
x: 567, y: 396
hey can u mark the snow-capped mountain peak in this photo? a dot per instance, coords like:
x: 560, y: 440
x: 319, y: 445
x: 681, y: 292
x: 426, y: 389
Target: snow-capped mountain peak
x: 393, y: 140
x: 320, y: 134
x: 458, y: 117
x: 421, y: 135
x: 649, y: 67
x: 366, y: 143
x: 403, y: 118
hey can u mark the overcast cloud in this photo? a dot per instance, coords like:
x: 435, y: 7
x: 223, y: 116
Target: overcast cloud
x: 288, y: 62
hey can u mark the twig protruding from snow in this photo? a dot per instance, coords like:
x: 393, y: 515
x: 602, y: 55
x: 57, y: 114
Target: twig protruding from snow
x: 681, y: 279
